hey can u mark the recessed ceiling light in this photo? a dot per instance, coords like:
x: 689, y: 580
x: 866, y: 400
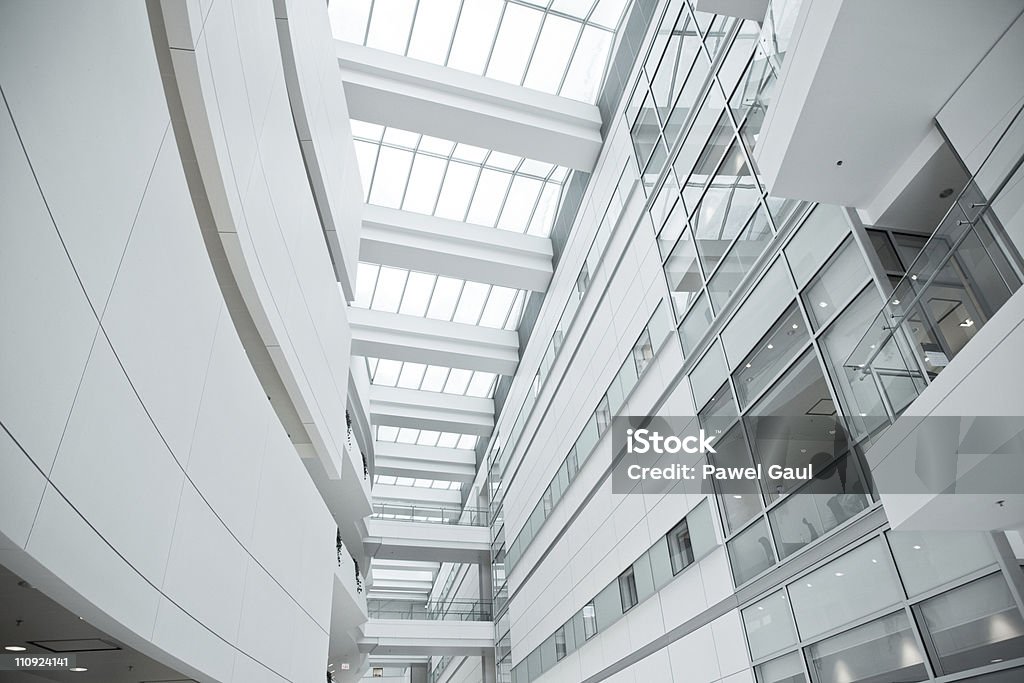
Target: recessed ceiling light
x: 895, y: 302
x: 995, y: 661
x: 822, y: 304
x: 78, y: 669
x: 839, y: 574
x: 913, y: 277
x: 14, y: 648
x: 810, y: 586
x: 874, y: 561
x: 771, y: 346
x: 748, y: 365
x: 795, y: 326
x: 917, y: 547
x: 736, y: 495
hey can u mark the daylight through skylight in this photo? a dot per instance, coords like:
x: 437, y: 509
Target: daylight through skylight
x: 425, y: 437
x: 428, y: 175
x: 555, y: 46
x: 437, y: 378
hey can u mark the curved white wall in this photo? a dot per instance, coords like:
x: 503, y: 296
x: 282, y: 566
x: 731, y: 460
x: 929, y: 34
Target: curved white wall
x: 145, y: 479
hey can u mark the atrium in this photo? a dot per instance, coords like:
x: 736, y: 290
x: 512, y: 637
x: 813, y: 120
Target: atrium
x: 328, y: 325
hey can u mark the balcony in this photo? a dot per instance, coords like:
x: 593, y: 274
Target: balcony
x: 430, y: 533
x: 400, y: 627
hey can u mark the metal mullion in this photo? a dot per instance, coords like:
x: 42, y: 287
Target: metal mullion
x: 408, y: 176
x: 376, y: 161
x: 483, y: 306
x: 533, y: 49
x: 369, y: 20
x: 373, y: 294
x: 412, y: 27
x: 430, y: 298
x: 458, y: 298
x: 444, y: 177
x: 494, y: 38
x: 476, y: 184
x: 734, y: 241
x: 840, y: 309
x: 508, y: 190
x: 572, y: 56
x: 455, y: 30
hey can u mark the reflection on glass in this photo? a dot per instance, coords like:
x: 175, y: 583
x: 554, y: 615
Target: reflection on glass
x: 817, y: 237
x: 750, y: 552
x: 835, y: 495
x: 740, y: 499
x: 881, y: 650
x: 695, y: 325
x: 707, y: 163
x: 589, y: 620
x: 974, y: 625
x: 794, y: 424
x: 769, y: 625
x: 684, y: 277
x: 929, y: 559
x: 785, y: 669
x: 762, y: 365
x: 680, y: 548
x: 844, y: 273
x: 740, y: 258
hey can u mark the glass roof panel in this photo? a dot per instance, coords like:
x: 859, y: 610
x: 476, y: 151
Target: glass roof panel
x: 435, y: 177
x: 425, y: 437
x: 534, y: 43
x: 434, y: 378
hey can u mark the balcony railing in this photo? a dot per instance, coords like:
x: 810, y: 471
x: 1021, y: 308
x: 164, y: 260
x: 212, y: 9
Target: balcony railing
x: 405, y: 512
x: 966, y: 271
x: 456, y: 610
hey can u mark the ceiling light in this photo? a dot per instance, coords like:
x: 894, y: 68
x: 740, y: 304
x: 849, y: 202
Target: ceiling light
x: 839, y: 574
x: 810, y: 586
x: 822, y: 304
x: 14, y: 648
x: 913, y: 277
x: 748, y: 365
x: 874, y: 561
x: 736, y: 495
x: 967, y: 323
x: 760, y: 608
x: 917, y: 547
x: 995, y: 661
x: 78, y: 669
x: 795, y: 326
x: 771, y: 346
x: 895, y: 302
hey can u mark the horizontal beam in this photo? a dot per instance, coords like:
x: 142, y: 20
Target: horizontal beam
x: 477, y: 253
x: 413, y: 95
x: 396, y: 637
x: 393, y: 407
x: 435, y: 342
x: 426, y: 462
x: 417, y: 496
x: 401, y: 540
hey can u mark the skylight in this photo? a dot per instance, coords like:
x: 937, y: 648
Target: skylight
x: 437, y: 378
x: 555, y: 46
x: 388, y: 480
x: 428, y: 175
x: 425, y: 437
x: 425, y: 295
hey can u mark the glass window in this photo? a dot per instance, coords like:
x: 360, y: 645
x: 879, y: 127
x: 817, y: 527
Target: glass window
x: 643, y: 352
x: 794, y: 424
x: 627, y: 590
x: 762, y: 365
x: 881, y: 650
x: 929, y: 559
x: 707, y: 163
x: 740, y: 498
x: 886, y: 253
x: 603, y: 414
x: 589, y: 620
x: 815, y: 240
x: 708, y: 375
x: 974, y: 625
x: 835, y: 495
x: 849, y: 587
x: 858, y: 393
x: 680, y: 548
x: 740, y: 258
x: 696, y: 325
x: 786, y: 669
x: 768, y: 300
x: 560, y: 643
x: 843, y: 275
x: 684, y: 277
x: 750, y: 553
x: 769, y: 625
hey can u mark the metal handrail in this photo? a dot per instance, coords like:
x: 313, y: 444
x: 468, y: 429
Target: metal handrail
x: 430, y: 514
x: 454, y: 610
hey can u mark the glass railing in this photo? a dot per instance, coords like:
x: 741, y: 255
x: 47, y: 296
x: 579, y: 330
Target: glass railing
x: 437, y: 671
x: 777, y: 31
x: 431, y: 514
x: 455, y: 610
x: 966, y: 271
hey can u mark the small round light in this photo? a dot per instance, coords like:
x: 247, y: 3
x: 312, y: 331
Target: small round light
x: 822, y: 304
x: 736, y: 495
x: 795, y: 326
x: 748, y: 365
x: 78, y: 669
x: 771, y: 346
x: 839, y: 574
x: 15, y: 648
x: 917, y: 547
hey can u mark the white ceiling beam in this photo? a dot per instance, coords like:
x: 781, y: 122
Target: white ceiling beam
x: 436, y: 342
x: 413, y: 95
x: 393, y: 407
x: 477, y: 253
x: 417, y: 496
x: 425, y: 462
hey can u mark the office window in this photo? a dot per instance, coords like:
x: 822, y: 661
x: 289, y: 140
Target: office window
x: 643, y: 352
x: 695, y: 325
x: 843, y: 275
x: 881, y: 650
x: 589, y: 620
x: 783, y: 342
x: 627, y: 590
x: 785, y: 669
x: 582, y: 281
x: 974, y: 625
x: 750, y: 553
x: 603, y: 414
x: 740, y: 499
x: 708, y: 375
x: 823, y: 230
x: 849, y: 587
x: 929, y: 559
x: 560, y: 651
x: 740, y: 259
x: 769, y: 625
x: 684, y: 277
x: 680, y: 548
